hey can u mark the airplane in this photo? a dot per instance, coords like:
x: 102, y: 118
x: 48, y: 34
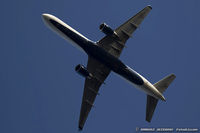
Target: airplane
x: 103, y: 57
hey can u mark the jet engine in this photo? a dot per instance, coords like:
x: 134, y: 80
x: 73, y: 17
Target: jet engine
x: 106, y: 29
x: 82, y: 70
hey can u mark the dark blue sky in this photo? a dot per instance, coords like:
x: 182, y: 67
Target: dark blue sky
x: 41, y: 93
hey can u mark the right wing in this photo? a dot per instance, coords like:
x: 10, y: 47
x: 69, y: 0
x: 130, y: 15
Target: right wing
x: 114, y: 45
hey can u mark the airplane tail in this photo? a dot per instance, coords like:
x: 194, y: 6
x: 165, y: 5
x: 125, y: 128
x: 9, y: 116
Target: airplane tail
x: 161, y: 85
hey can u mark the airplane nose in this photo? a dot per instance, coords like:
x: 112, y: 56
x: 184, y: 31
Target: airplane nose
x: 45, y: 17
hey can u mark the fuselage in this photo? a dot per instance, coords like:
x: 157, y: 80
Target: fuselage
x: 93, y: 50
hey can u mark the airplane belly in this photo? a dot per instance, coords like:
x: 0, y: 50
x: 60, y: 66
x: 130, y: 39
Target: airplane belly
x: 144, y: 88
x: 140, y: 87
x: 139, y: 82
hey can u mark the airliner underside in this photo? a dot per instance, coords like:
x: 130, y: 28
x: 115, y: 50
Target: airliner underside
x: 103, y: 57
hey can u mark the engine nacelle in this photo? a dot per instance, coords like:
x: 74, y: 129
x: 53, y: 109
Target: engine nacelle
x: 106, y: 29
x: 82, y: 70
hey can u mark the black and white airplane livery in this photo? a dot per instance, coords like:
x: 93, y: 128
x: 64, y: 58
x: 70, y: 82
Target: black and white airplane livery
x: 103, y: 57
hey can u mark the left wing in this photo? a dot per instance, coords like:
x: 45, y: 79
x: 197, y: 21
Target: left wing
x: 99, y: 74
x: 115, y: 44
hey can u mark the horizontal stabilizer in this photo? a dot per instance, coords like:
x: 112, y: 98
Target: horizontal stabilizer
x: 151, y: 101
x: 163, y: 84
x: 150, y: 107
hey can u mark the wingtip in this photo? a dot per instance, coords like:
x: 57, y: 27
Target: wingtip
x: 173, y: 75
x: 80, y: 128
x: 148, y: 120
x: 149, y: 6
